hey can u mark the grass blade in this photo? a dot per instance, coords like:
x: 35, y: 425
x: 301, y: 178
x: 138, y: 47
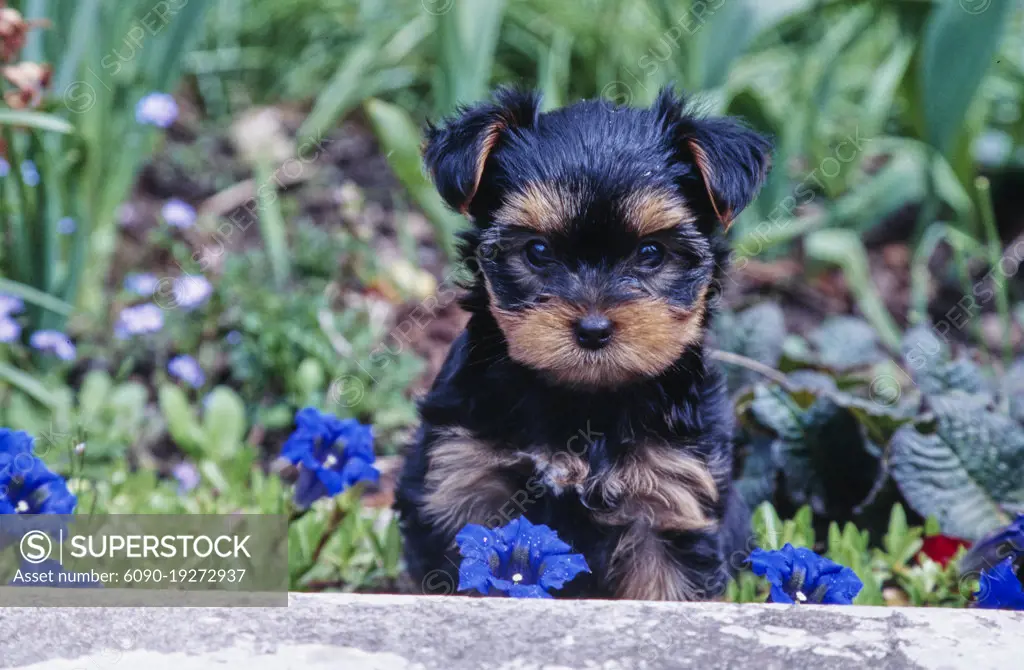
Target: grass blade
x: 272, y: 224
x: 35, y: 297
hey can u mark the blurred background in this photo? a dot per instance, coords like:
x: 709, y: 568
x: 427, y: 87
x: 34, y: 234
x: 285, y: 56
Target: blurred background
x: 214, y: 215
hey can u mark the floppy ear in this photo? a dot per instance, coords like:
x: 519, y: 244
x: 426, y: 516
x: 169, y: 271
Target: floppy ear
x: 732, y: 159
x: 455, y: 153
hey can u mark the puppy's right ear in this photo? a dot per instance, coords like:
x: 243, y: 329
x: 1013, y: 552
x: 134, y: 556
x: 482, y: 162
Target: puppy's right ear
x: 456, y: 152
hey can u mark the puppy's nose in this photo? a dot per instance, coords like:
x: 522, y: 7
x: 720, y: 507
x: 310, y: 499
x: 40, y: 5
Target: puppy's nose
x: 593, y: 331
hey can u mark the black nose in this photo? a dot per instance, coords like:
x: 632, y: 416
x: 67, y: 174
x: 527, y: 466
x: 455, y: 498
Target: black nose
x: 593, y: 331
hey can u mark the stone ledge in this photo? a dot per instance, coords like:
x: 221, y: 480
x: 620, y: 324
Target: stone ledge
x: 338, y: 632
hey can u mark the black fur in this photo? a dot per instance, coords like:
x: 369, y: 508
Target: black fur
x: 615, y: 151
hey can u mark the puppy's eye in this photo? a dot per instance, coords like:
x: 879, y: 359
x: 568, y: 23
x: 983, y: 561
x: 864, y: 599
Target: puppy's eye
x: 538, y: 253
x: 650, y: 254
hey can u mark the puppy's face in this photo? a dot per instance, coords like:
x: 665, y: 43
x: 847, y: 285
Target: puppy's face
x: 592, y: 226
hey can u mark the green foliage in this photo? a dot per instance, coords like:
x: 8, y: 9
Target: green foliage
x: 219, y: 436
x: 104, y: 62
x: 846, y: 432
x: 106, y: 418
x: 894, y: 573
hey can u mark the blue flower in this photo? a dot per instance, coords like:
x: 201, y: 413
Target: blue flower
x: 10, y: 304
x: 26, y: 484
x: 994, y: 548
x: 54, y: 342
x: 234, y: 337
x: 191, y: 291
x: 517, y: 559
x: 9, y: 329
x: 156, y: 109
x: 1000, y: 588
x: 178, y: 213
x: 187, y: 370
x: 141, y: 283
x: 66, y: 226
x: 29, y: 173
x: 797, y: 574
x: 139, y: 320
x: 5, y: 167
x: 332, y: 454
x: 187, y: 475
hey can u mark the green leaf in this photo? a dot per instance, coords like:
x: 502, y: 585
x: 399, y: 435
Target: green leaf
x: 93, y: 394
x: 181, y: 421
x: 958, y: 48
x: 767, y: 527
x: 969, y: 473
x: 344, y: 91
x: 1013, y: 389
x: 35, y: 297
x: 272, y: 225
x: 400, y: 139
x: 224, y: 424
x: 846, y: 342
x: 845, y: 249
x: 27, y: 384
x: 35, y: 120
x: 757, y: 333
x: 927, y: 359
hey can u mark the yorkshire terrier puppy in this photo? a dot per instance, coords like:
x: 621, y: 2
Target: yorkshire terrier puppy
x: 579, y: 395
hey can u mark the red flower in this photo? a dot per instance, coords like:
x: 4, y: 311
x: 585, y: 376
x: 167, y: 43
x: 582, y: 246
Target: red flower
x: 941, y: 548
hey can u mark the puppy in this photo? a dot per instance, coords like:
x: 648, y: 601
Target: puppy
x: 579, y: 394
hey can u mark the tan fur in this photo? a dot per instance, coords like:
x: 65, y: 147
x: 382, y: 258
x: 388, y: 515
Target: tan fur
x: 467, y: 481
x: 539, y: 206
x: 490, y: 139
x: 666, y: 489
x: 652, y: 210
x: 561, y: 470
x: 650, y: 334
x: 653, y: 490
x: 644, y: 570
x: 700, y: 157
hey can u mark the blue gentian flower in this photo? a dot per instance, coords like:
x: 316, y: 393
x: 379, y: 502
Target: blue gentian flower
x: 991, y: 550
x: 156, y: 109
x: 29, y: 173
x: 26, y: 484
x: 1000, y: 588
x: 332, y: 454
x: 9, y: 329
x: 53, y: 342
x: 517, y: 559
x: 191, y: 291
x: 139, y: 320
x: 141, y: 284
x: 234, y: 337
x: 178, y: 213
x: 797, y: 574
x: 10, y: 304
x: 187, y: 369
x: 66, y: 226
x: 5, y: 167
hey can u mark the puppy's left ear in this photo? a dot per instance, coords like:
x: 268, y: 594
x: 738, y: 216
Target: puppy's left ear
x: 732, y: 159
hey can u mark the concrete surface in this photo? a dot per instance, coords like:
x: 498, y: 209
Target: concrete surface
x: 317, y: 632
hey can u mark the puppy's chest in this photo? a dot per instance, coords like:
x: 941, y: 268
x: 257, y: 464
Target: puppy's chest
x: 667, y: 485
